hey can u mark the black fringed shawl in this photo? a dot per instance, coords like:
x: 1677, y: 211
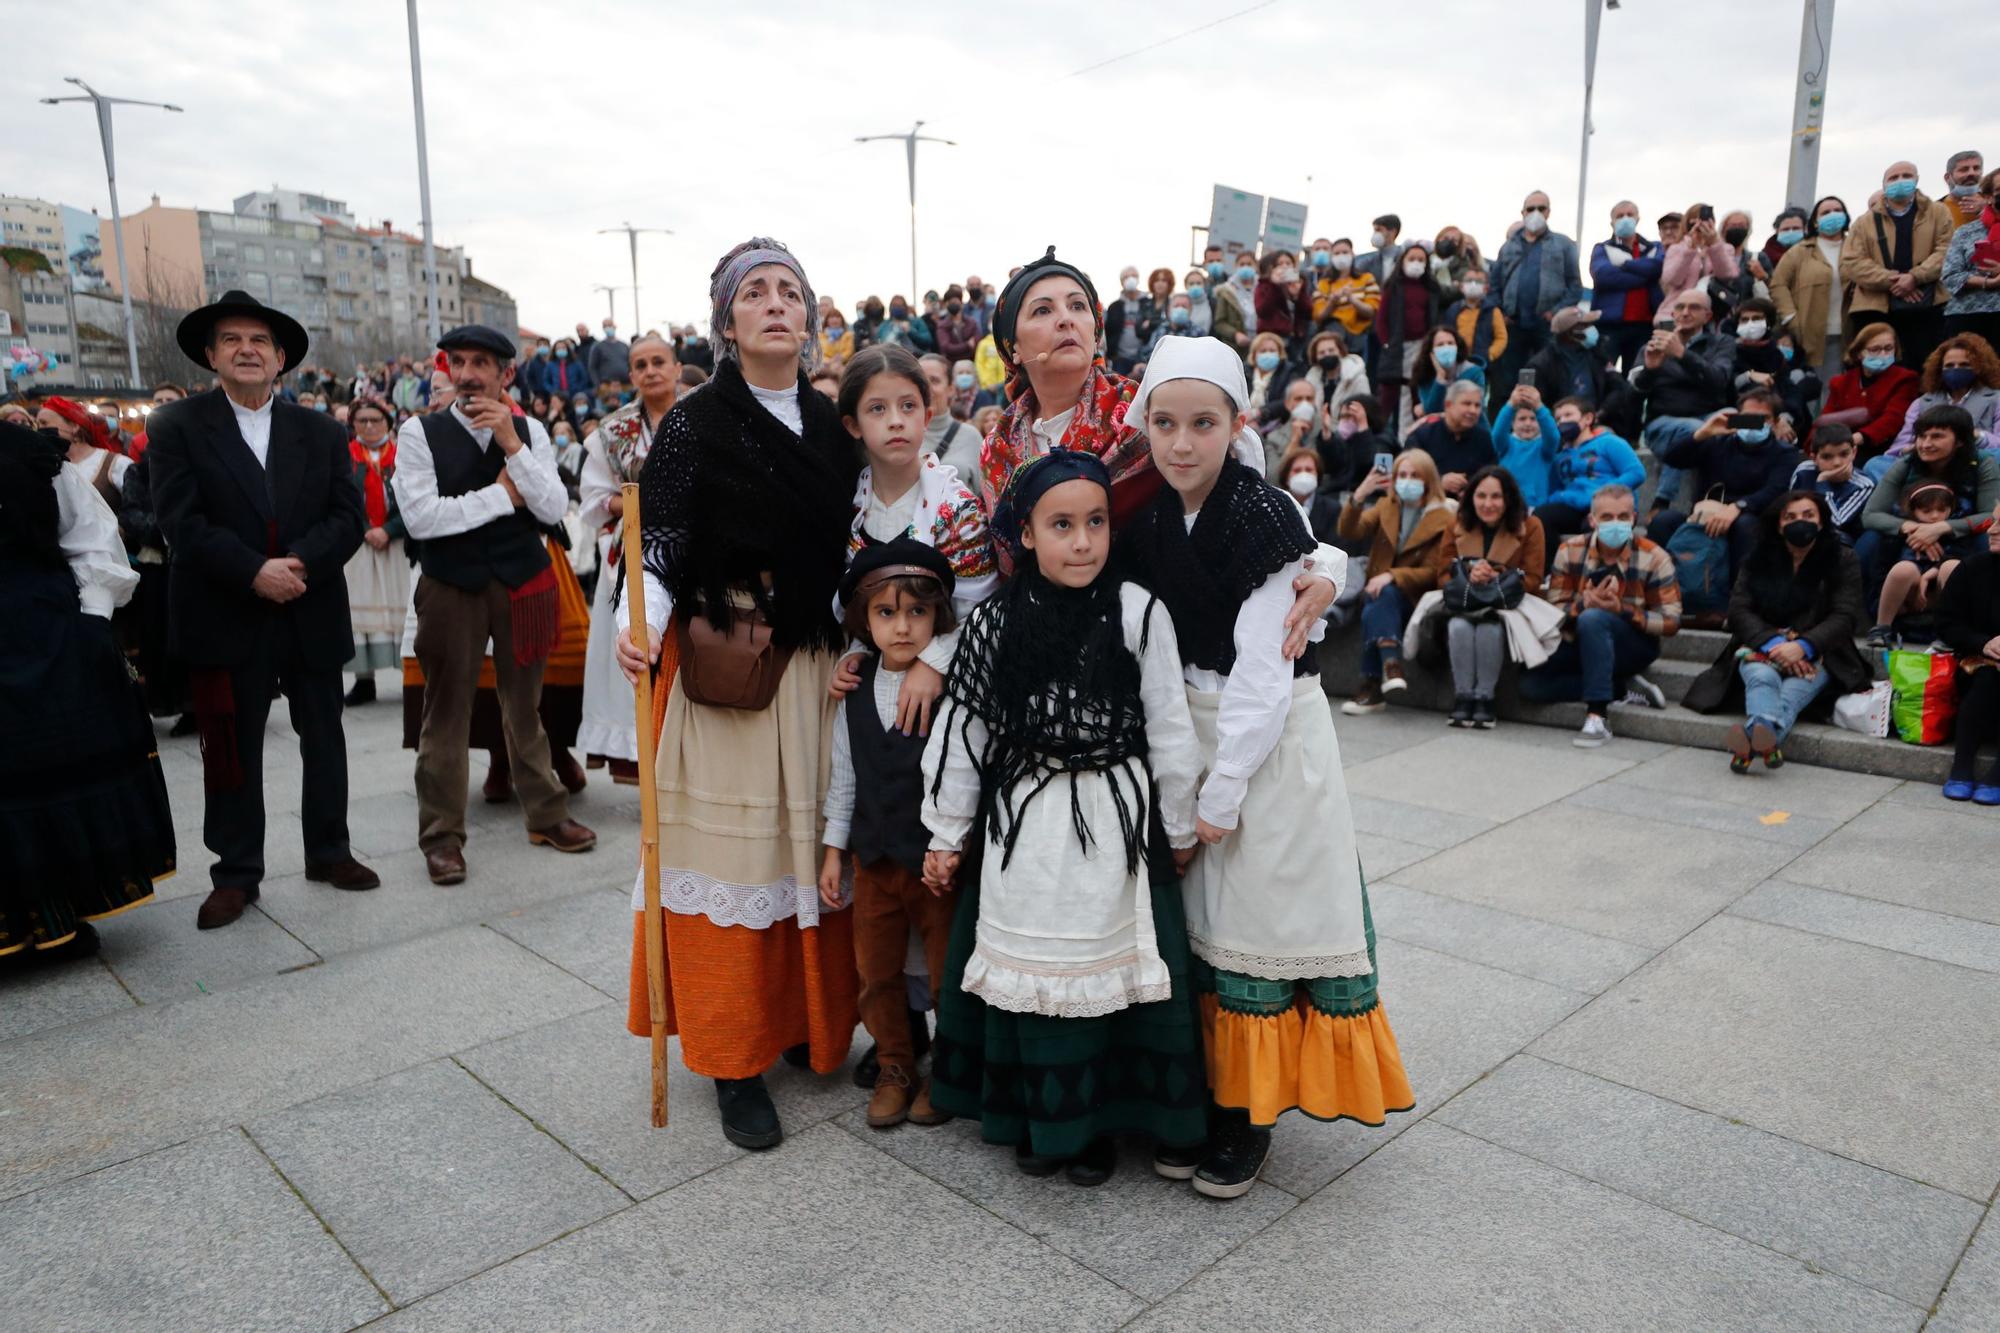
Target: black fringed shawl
x: 728, y: 494
x: 1046, y: 668
x: 1246, y: 532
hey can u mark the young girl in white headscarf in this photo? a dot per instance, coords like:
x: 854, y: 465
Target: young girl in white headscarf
x: 1276, y: 907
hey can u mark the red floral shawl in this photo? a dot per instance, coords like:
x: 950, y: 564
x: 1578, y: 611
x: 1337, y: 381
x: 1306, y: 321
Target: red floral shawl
x: 1099, y: 426
x: 374, y: 472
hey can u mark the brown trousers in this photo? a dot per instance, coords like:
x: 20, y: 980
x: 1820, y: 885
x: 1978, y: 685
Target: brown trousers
x: 888, y: 900
x: 452, y: 629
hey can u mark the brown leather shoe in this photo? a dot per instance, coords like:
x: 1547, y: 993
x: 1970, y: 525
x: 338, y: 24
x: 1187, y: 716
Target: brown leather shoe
x: 568, y: 836
x: 921, y: 1110
x: 348, y: 874
x: 569, y: 772
x: 890, y: 1105
x: 223, y: 905
x: 446, y: 865
x: 625, y: 772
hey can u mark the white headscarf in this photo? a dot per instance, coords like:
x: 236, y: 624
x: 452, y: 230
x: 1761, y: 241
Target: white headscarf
x: 1210, y: 359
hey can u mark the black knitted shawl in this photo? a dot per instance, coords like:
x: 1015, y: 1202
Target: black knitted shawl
x: 729, y: 495
x: 30, y: 515
x: 1246, y: 532
x: 1046, y: 668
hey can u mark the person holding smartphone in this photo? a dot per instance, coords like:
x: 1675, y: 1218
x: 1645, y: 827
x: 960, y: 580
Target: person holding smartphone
x: 1739, y: 468
x: 1684, y: 374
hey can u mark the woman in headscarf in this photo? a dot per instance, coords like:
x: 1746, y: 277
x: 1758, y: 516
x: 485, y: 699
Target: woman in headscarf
x: 378, y: 575
x: 744, y: 510
x: 94, y: 453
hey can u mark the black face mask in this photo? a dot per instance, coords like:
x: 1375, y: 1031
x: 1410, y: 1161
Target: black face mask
x: 1329, y: 363
x: 1736, y: 235
x: 1447, y: 247
x: 1800, y: 532
x: 952, y: 307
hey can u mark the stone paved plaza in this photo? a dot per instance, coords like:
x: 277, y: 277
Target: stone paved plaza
x: 1691, y: 1051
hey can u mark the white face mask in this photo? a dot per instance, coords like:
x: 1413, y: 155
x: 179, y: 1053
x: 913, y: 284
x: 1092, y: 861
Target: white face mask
x: 1474, y: 291
x: 1302, y: 483
x: 1534, y: 221
x: 1416, y: 268
x: 1751, y: 330
x: 1304, y: 411
x: 1285, y: 275
x: 1343, y: 262
x: 1378, y: 238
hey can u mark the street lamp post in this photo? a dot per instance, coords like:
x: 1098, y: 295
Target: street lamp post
x: 632, y: 234
x: 1809, y: 103
x: 610, y: 302
x: 910, y: 142
x: 103, y: 105
x: 434, y: 326
x: 1593, y: 14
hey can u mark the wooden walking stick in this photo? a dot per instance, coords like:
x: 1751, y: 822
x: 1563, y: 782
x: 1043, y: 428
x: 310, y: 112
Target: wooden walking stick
x: 649, y: 812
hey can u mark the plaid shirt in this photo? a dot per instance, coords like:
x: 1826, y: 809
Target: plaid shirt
x: 1649, y: 595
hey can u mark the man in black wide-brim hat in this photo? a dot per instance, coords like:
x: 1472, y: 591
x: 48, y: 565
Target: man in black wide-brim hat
x: 257, y: 501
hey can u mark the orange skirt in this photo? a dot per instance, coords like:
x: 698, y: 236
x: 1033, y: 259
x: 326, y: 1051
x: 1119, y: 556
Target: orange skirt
x: 1331, y: 1067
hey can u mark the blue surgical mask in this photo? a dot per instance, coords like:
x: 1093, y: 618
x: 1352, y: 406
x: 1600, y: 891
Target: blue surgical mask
x: 1957, y: 379
x: 1624, y: 228
x: 541, y: 351
x: 1832, y: 224
x: 965, y: 379
x: 319, y: 407
x: 1197, y: 292
x: 1900, y: 192
x: 1445, y: 355
x: 1787, y: 351
x: 1409, y: 489
x: 1590, y: 335
x: 1245, y: 273
x: 1267, y: 361
x: 1322, y: 259
x: 1217, y: 270
x: 610, y: 334
x: 1791, y: 236
x: 1875, y: 365
x: 1178, y: 316
x: 1757, y: 436
x: 1615, y: 535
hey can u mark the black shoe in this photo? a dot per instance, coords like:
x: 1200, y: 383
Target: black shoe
x: 1482, y: 714
x: 1178, y: 1163
x: 1032, y: 1163
x: 1097, y: 1163
x: 748, y: 1118
x: 799, y: 1056
x: 920, y: 1036
x: 1236, y: 1154
x: 1461, y: 712
x: 362, y: 693
x: 868, y: 1068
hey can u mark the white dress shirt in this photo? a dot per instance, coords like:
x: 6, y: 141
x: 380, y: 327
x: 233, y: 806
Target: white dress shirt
x: 90, y: 542
x: 427, y: 514
x: 255, y: 426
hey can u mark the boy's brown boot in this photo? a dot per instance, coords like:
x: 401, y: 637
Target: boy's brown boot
x: 921, y: 1110
x: 890, y: 1105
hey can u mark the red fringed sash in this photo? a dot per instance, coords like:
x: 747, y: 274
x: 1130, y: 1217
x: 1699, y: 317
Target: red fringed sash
x: 536, y: 616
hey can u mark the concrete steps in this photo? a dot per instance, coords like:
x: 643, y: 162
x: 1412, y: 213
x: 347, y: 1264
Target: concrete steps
x: 1683, y: 658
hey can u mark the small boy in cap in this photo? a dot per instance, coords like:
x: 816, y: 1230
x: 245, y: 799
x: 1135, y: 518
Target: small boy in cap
x: 897, y: 596
x: 1917, y: 578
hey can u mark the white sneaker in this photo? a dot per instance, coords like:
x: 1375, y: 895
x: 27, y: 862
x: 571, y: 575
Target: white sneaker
x: 1639, y: 690
x: 1595, y: 732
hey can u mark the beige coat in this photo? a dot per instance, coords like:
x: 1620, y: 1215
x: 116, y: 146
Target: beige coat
x: 1864, y: 269
x: 1801, y: 287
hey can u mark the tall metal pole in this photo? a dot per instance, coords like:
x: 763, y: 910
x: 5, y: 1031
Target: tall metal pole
x: 1809, y: 103
x: 103, y: 104
x: 910, y: 142
x: 611, y: 302
x: 434, y: 326
x: 632, y: 238
x: 1593, y: 15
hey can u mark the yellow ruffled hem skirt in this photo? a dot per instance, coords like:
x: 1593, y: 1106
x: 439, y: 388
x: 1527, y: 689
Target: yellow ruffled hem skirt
x: 1327, y: 1066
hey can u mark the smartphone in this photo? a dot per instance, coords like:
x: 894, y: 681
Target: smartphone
x: 1747, y: 421
x: 1706, y: 213
x: 1665, y: 324
x: 1383, y: 462
x: 1526, y: 379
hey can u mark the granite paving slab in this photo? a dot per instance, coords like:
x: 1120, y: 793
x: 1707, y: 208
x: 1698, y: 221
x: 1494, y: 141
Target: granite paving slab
x: 49, y: 994
x: 1573, y: 959
x: 1475, y: 773
x: 1877, y: 856
x: 1947, y: 939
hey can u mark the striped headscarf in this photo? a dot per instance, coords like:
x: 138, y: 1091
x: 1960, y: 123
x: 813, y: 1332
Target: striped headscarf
x: 728, y: 275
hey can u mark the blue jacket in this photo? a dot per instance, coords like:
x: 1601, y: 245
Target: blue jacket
x: 567, y: 378
x: 533, y: 376
x: 1528, y: 460
x: 1613, y: 283
x: 1560, y: 283
x: 1579, y: 472
x: 1749, y: 475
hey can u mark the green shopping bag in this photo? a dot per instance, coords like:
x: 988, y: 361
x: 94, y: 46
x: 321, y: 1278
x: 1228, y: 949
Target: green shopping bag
x: 1924, y: 701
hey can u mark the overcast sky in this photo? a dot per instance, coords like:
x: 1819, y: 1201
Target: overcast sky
x: 548, y: 121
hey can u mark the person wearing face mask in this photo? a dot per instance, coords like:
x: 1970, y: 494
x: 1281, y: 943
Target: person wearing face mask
x: 1346, y: 294
x: 378, y: 574
x: 836, y: 341
x: 1873, y: 395
x: 1738, y: 471
x: 533, y: 375
x: 1299, y: 473
x: 1498, y: 550
x: 566, y: 376
x: 1787, y: 230
x: 610, y: 357
x: 1236, y: 304
x: 1268, y: 375
x: 868, y: 319
x: 1764, y: 361
x: 1588, y: 458
x: 1283, y: 300
x: 1411, y: 308
x: 1534, y: 275
x: 1893, y: 259
x: 1575, y: 365
x: 1625, y: 279
x: 957, y: 332
x: 1129, y: 322
x: 1701, y: 257
x: 1332, y: 370
x: 1195, y: 287
x: 1972, y: 270
x: 1962, y: 372
x: 1384, y: 248
x: 1619, y: 599
x: 1403, y: 519
x: 1454, y: 254
x: 1179, y: 323
x: 1481, y: 328
x: 1969, y: 624
x: 1964, y: 197
x: 904, y: 327
x: 1808, y: 291
x: 1446, y: 360
x: 1456, y: 440
x: 1793, y: 613
x: 1294, y: 430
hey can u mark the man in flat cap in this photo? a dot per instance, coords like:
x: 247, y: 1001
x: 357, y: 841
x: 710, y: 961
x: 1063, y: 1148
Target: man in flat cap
x: 477, y: 485
x: 257, y: 502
